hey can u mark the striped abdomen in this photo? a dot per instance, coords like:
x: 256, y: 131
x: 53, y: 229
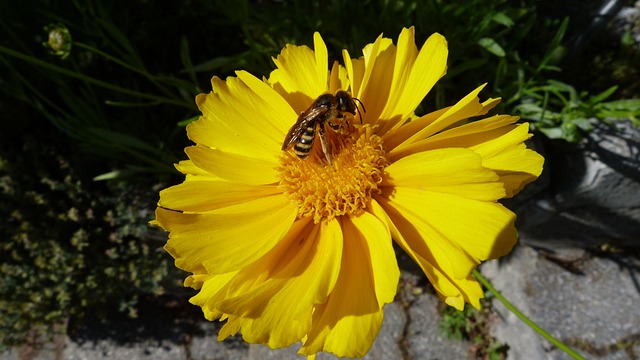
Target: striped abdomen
x: 304, y: 145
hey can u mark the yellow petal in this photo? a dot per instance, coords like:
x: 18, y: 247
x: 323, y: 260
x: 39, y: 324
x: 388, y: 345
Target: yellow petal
x: 376, y: 82
x: 231, y: 328
x: 398, y: 136
x: 508, y: 156
x: 408, y: 130
x: 348, y: 323
x: 188, y: 168
x: 203, y: 195
x: 350, y: 336
x: 375, y: 235
x: 498, y: 141
x: 276, y: 109
x: 239, y: 120
x: 302, y: 74
x: 338, y: 78
x: 406, y: 55
x: 467, y: 135
x: 209, y: 289
x: 301, y: 272
x: 454, y: 292
x: 452, y: 170
x: 451, y: 232
x: 233, y: 167
x: 419, y: 129
x: 415, y: 73
x: 322, y: 59
x: 228, y: 238
x: 355, y: 72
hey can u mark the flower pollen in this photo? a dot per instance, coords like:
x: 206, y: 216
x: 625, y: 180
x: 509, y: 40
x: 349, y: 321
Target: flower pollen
x: 326, y: 191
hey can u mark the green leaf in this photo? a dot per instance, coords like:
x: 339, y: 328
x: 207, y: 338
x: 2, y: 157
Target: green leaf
x: 502, y: 19
x: 121, y: 139
x: 131, y: 171
x: 582, y: 123
x: 552, y: 133
x: 465, y: 66
x: 528, y: 108
x: 185, y: 57
x: 603, y: 95
x: 492, y: 46
x: 123, y: 41
x: 625, y: 108
x: 555, y: 42
x: 627, y: 39
x: 107, y: 176
x: 131, y: 104
x: 188, y: 121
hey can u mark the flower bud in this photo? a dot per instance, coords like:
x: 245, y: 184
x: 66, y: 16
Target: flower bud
x: 60, y: 41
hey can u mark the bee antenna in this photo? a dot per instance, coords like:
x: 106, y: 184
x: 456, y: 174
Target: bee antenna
x: 363, y: 109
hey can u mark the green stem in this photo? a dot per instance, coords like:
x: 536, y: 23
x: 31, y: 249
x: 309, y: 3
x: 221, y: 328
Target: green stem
x: 88, y: 79
x: 562, y: 346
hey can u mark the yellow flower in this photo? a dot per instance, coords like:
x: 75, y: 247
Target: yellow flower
x: 289, y: 250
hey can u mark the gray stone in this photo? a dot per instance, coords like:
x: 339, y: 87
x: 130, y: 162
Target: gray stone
x: 102, y: 349
x: 147, y: 350
x: 424, y: 339
x: 387, y: 345
x: 626, y: 21
x: 205, y: 345
x: 263, y: 352
x: 593, y: 308
x: 595, y: 197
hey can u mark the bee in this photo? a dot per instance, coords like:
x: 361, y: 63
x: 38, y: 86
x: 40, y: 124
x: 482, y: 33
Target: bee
x: 325, y: 110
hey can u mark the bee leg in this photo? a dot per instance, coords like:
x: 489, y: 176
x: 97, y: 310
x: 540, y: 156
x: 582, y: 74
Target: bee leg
x: 325, y: 146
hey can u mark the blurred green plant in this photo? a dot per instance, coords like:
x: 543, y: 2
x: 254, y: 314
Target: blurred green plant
x: 561, y: 112
x: 106, y: 96
x: 126, y: 91
x: 100, y: 91
x: 473, y: 325
x: 456, y: 324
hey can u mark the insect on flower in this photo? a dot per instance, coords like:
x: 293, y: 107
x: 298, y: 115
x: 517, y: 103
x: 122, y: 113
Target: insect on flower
x: 324, y: 110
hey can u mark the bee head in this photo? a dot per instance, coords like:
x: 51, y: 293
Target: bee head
x: 345, y: 102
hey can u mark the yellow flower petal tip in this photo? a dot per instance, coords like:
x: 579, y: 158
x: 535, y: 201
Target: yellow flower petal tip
x: 298, y: 185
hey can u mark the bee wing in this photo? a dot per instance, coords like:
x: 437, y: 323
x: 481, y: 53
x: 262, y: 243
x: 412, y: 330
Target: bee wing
x: 301, y: 125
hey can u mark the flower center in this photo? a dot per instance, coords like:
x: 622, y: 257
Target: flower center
x: 325, y: 191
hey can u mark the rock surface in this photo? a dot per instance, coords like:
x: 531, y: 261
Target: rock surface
x: 588, y: 196
x: 590, y: 303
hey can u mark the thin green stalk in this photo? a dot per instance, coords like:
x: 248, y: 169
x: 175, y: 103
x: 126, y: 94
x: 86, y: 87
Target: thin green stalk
x: 142, y: 72
x: 562, y: 346
x: 90, y: 80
